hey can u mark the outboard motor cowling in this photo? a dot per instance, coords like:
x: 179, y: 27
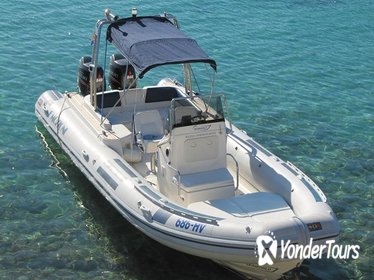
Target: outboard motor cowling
x: 84, y: 76
x: 121, y: 73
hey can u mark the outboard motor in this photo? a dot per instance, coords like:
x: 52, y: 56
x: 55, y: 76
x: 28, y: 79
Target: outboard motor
x: 121, y: 73
x: 84, y: 77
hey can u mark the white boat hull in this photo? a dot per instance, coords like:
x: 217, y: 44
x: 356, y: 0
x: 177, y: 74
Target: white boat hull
x: 228, y: 238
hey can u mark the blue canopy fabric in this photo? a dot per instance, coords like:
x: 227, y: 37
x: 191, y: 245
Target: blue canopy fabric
x: 148, y: 42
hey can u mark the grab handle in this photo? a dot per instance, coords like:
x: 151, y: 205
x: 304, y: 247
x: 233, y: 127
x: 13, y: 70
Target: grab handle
x: 237, y: 170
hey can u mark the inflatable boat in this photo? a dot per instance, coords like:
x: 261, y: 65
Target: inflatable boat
x: 168, y: 158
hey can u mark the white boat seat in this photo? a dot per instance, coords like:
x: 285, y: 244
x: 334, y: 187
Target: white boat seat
x: 252, y: 204
x: 207, y: 185
x: 149, y: 130
x: 206, y: 180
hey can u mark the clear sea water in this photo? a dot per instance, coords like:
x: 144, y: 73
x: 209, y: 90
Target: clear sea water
x: 299, y: 77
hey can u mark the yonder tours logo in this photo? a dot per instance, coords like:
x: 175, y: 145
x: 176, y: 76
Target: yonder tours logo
x: 267, y: 247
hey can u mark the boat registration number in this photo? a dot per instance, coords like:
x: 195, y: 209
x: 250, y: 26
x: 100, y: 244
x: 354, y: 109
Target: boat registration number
x: 190, y: 226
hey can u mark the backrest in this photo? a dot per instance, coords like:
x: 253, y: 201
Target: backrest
x: 150, y: 95
x: 108, y: 99
x: 160, y: 94
x: 198, y: 148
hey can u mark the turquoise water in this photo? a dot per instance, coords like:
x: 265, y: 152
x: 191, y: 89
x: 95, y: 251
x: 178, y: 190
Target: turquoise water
x: 299, y: 77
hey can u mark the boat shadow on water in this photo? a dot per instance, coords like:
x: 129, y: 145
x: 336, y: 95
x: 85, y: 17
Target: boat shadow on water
x: 135, y: 255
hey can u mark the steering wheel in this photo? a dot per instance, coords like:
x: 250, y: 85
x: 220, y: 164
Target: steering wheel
x: 197, y: 118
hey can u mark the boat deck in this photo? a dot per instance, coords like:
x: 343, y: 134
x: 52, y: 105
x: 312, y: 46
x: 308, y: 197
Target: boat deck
x: 128, y: 105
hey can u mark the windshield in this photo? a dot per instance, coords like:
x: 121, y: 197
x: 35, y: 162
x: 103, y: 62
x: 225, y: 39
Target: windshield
x: 196, y: 110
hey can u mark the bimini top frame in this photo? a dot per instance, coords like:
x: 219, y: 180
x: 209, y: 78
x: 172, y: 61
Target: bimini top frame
x: 146, y: 42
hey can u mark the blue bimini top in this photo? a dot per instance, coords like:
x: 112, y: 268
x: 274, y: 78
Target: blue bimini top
x: 152, y: 41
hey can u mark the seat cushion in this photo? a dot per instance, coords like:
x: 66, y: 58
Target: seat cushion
x: 199, y: 181
x: 252, y: 204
